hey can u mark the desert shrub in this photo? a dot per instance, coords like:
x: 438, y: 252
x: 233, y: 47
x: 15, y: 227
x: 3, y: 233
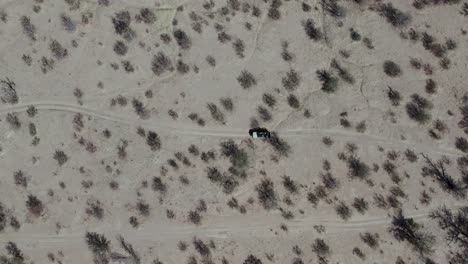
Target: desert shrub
x: 95, y: 209
x: 3, y: 218
x: 34, y: 205
x: 227, y: 103
x: 60, y: 157
x: 153, y: 141
x: 266, y: 194
x: 121, y: 22
x: 20, y: 179
x: 360, y: 205
x: 293, y: 101
x: 332, y: 8
x: 128, y: 67
x: 264, y: 113
x: 67, y: 23
x: 370, y: 239
x: 182, y: 67
x: 321, y: 248
x: 246, y: 79
x: 239, y: 47
x: 461, y: 144
x: 406, y: 229
x: 161, y: 64
x: 158, y: 185
x: 394, y: 96
x: 147, y: 16
x: 289, y: 184
x: 140, y: 108
x: 329, y: 83
x: 120, y: 48
x: 269, y: 99
x: 391, y: 68
x: 13, y: 120
x: 215, y: 112
x: 329, y: 181
x: 410, y: 155
x: 394, y: 16
x: 327, y: 141
x: 193, y: 150
x: 194, y: 217
x: 28, y: 28
x: 201, y: 247
x: 58, y: 51
x: 16, y: 255
x: 343, y: 211
x: 143, y: 208
x: 292, y: 80
x: 238, y: 157
x: 211, y: 61
x: 342, y: 72
x: 251, y: 259
x: 311, y: 31
x: 357, y: 168
x: 417, y: 109
x: 279, y: 145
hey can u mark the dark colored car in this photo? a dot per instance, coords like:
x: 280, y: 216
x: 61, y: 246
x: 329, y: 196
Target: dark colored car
x: 259, y: 133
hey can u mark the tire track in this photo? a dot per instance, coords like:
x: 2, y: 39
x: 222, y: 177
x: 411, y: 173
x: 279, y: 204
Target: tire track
x: 224, y: 132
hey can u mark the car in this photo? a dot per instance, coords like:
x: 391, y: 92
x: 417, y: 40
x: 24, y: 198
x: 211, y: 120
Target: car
x: 259, y: 133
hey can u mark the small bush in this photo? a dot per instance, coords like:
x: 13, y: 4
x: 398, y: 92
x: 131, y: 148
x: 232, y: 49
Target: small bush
x: 194, y: 217
x: 161, y: 64
x: 391, y: 68
x: 216, y: 114
x: 329, y: 83
x: 246, y: 79
x: 311, y: 31
x: 343, y: 211
x: 60, y: 157
x: 227, y: 103
x: 279, y: 145
x: 321, y: 248
x: 28, y: 28
x: 153, y: 141
x: 158, y: 185
x: 417, y: 109
x: 120, y: 48
x: 264, y: 113
x: 394, y: 16
x: 95, y: 209
x: 289, y: 184
x: 239, y: 47
x: 394, y: 96
x: 370, y: 239
x: 360, y: 205
x: 357, y: 168
x: 293, y: 101
x: 58, y: 51
x: 291, y: 81
x: 20, y: 179
x: 34, y: 205
x: 147, y: 16
x: 266, y: 194
x: 269, y: 99
x: 461, y: 144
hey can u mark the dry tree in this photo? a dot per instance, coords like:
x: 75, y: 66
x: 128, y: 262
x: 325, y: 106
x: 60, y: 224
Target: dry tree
x: 406, y: 229
x: 8, y: 92
x: 332, y: 8
x: 438, y: 172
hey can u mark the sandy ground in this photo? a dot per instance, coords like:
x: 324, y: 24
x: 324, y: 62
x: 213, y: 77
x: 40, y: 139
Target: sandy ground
x: 82, y: 84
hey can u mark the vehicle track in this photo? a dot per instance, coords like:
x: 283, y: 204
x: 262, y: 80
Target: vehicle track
x: 224, y: 132
x: 225, y: 226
